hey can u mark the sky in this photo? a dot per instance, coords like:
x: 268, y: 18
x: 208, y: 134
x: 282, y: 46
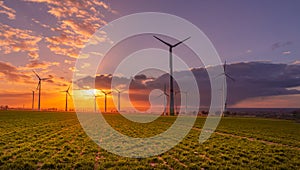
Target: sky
x: 47, y: 36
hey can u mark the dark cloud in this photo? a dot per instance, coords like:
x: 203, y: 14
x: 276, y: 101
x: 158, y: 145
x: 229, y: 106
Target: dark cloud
x: 11, y: 73
x: 140, y: 77
x: 253, y: 79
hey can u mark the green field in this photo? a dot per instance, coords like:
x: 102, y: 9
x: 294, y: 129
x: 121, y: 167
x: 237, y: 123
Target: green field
x: 52, y: 140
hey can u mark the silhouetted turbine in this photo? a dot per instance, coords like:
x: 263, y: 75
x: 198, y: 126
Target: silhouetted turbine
x: 119, y: 100
x: 39, y: 87
x: 171, y: 72
x: 67, y: 93
x: 166, y: 94
x: 105, y: 100
x: 32, y: 99
x: 226, y: 75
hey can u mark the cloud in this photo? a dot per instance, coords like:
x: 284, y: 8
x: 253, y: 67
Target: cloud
x: 253, y: 79
x: 68, y: 62
x: 11, y: 13
x: 286, y: 52
x: 17, y: 40
x: 249, y: 51
x: 296, y: 62
x: 281, y: 44
x: 10, y: 72
x: 39, y: 23
x: 36, y: 64
x: 77, y: 20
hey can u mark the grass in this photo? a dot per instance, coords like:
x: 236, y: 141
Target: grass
x: 53, y: 140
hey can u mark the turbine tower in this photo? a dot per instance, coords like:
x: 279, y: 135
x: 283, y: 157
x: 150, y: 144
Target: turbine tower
x: 67, y: 93
x: 119, y: 100
x: 95, y: 102
x: 171, y: 93
x: 105, y: 100
x: 32, y: 99
x: 39, y: 87
x: 166, y: 94
x: 232, y: 79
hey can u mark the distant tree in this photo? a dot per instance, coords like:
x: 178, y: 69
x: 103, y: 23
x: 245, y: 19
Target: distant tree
x: 296, y: 115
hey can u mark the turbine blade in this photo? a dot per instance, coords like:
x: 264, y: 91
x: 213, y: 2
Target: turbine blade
x: 224, y: 66
x: 68, y: 88
x: 229, y: 77
x: 36, y: 74
x: 45, y: 78
x: 180, y: 42
x: 162, y: 41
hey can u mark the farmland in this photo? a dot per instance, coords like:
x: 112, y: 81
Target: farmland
x: 54, y: 140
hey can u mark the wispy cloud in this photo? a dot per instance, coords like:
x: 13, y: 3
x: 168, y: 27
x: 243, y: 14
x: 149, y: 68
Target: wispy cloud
x: 281, y: 44
x: 286, y: 52
x: 18, y: 40
x: 10, y: 72
x: 77, y: 20
x: 296, y: 62
x: 9, y: 12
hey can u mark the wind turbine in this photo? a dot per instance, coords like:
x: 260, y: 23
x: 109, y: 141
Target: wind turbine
x: 67, y: 93
x: 95, y: 95
x: 171, y: 71
x: 39, y: 87
x: 105, y: 100
x: 95, y: 102
x: 166, y: 94
x: 119, y: 100
x: 224, y: 97
x: 32, y: 99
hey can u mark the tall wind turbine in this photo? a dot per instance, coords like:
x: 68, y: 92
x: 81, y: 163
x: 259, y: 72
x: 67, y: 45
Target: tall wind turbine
x: 171, y: 93
x: 232, y: 79
x: 67, y: 94
x: 39, y: 87
x: 32, y: 99
x: 119, y: 100
x: 105, y: 100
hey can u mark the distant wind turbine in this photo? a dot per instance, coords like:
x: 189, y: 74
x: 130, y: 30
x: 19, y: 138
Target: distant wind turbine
x: 119, y: 100
x: 67, y: 94
x: 166, y: 94
x: 95, y: 102
x: 171, y: 93
x: 224, y: 97
x: 105, y: 100
x: 39, y: 87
